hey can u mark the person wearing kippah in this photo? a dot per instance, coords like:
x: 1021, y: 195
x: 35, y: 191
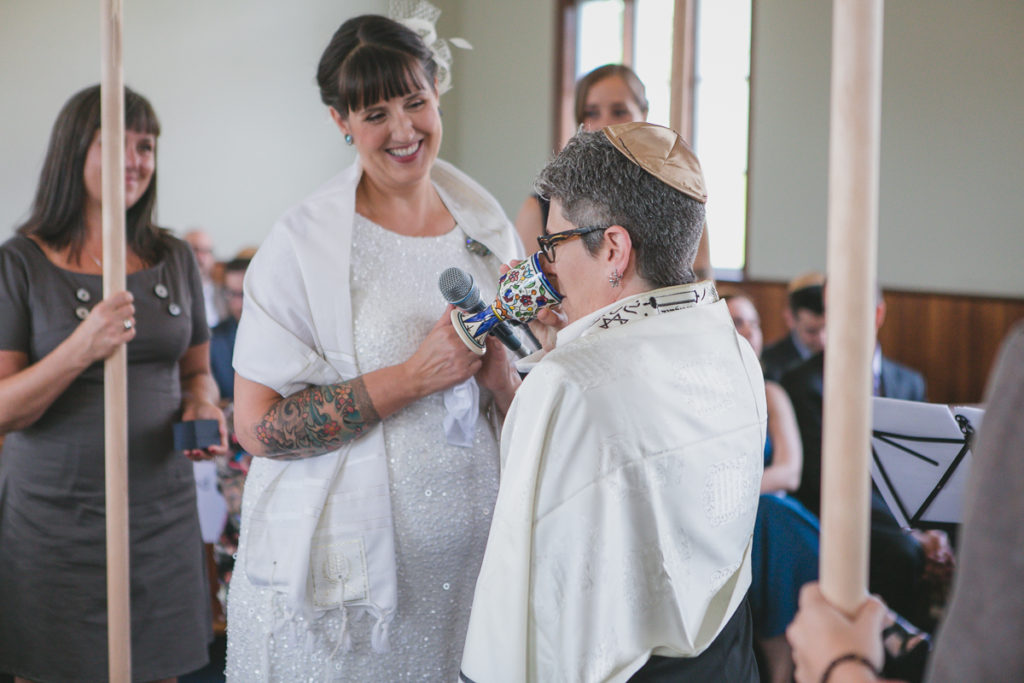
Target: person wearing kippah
x: 632, y: 452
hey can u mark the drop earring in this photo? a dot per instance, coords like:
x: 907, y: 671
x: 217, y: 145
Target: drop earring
x: 348, y: 138
x: 615, y: 279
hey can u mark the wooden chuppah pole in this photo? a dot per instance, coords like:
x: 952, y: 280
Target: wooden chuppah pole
x: 850, y: 298
x: 115, y: 377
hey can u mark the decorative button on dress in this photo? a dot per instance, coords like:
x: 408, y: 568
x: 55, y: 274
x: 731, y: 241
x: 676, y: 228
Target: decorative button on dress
x: 52, y: 523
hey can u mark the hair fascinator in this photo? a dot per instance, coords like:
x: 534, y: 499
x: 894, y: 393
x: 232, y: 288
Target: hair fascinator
x: 662, y: 153
x: 420, y: 17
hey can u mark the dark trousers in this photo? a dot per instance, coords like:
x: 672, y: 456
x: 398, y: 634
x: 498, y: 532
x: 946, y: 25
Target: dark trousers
x: 728, y: 659
x: 897, y: 563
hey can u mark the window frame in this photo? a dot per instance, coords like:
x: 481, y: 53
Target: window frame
x: 682, y: 82
x: 682, y: 79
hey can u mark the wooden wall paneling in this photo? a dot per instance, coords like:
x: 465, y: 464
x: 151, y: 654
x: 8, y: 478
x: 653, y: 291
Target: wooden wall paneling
x: 951, y: 339
x: 988, y: 329
x: 907, y: 332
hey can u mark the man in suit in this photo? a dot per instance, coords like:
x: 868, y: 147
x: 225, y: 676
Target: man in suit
x: 805, y: 318
x: 897, y: 557
x: 980, y: 638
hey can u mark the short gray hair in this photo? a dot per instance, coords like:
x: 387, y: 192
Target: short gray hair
x: 598, y: 186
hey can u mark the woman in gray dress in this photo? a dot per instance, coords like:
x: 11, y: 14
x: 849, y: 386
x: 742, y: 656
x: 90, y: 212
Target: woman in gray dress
x: 55, y: 331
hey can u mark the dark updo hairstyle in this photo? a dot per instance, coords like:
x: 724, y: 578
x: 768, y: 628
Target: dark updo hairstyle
x: 633, y: 82
x: 57, y: 209
x: 372, y: 58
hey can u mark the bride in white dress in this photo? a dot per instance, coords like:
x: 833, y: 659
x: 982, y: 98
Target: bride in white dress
x: 366, y: 512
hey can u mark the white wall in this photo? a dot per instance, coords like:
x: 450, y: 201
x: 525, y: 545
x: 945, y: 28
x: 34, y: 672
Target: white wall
x: 951, y: 206
x: 245, y: 135
x: 498, y: 116
x: 233, y: 81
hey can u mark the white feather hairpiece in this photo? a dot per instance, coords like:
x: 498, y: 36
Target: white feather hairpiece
x: 421, y: 17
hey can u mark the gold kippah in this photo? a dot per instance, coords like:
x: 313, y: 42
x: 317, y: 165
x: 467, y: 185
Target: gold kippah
x: 805, y: 280
x: 662, y: 153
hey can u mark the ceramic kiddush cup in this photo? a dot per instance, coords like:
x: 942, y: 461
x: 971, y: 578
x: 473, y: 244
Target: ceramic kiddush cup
x: 522, y: 293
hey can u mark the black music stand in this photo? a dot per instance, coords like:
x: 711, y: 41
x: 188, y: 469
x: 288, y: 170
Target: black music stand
x: 920, y: 457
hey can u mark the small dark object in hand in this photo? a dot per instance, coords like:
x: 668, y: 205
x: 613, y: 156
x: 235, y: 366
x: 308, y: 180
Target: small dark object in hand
x: 195, y: 434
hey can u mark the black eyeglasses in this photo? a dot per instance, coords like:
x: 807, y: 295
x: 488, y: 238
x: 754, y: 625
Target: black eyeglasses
x: 547, y: 242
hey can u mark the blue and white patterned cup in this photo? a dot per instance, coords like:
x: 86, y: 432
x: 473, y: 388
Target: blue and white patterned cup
x: 523, y: 292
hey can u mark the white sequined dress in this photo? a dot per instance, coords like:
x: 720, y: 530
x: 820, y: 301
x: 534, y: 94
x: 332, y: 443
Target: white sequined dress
x: 442, y: 496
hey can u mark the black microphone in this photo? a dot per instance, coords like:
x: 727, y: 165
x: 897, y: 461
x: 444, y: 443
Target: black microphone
x: 457, y: 288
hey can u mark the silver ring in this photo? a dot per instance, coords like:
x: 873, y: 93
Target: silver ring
x: 128, y: 324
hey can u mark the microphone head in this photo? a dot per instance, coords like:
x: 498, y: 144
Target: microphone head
x: 457, y: 287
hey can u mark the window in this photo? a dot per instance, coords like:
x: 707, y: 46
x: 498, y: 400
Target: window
x: 694, y: 59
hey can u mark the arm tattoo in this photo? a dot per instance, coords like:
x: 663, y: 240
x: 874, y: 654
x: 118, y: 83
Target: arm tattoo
x: 317, y: 420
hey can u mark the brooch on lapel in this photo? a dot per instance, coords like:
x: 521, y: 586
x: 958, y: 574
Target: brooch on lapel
x: 476, y: 248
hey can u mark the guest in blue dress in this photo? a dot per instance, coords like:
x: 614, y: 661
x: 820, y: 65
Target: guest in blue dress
x: 785, y: 550
x: 784, y: 557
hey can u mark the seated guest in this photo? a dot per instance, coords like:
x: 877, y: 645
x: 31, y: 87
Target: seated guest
x: 785, y: 550
x: 202, y: 249
x: 232, y: 470
x: 805, y: 318
x: 804, y: 384
x: 898, y: 558
x: 783, y: 451
x: 979, y: 639
x: 222, y: 342
x: 632, y: 453
x: 786, y: 535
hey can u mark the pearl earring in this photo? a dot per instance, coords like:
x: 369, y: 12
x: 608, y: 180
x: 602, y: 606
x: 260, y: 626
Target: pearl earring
x: 348, y: 138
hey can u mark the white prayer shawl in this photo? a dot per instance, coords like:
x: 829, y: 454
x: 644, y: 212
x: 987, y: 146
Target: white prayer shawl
x: 631, y: 464
x: 321, y: 529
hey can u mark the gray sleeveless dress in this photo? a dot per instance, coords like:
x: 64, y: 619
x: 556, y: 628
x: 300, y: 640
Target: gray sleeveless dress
x: 52, y: 520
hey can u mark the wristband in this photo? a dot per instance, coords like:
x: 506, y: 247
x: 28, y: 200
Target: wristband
x: 848, y: 657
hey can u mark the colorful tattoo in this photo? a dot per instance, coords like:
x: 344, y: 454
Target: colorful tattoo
x: 317, y: 420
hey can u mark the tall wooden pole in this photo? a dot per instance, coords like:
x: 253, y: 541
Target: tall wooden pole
x: 852, y: 247
x: 116, y: 368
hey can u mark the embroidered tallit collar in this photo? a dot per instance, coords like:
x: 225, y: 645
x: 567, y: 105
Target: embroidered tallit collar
x: 638, y: 306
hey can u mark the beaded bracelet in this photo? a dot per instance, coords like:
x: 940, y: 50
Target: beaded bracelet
x: 848, y: 657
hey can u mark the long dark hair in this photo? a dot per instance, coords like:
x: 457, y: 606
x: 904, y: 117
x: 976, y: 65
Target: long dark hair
x: 372, y: 58
x: 56, y: 216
